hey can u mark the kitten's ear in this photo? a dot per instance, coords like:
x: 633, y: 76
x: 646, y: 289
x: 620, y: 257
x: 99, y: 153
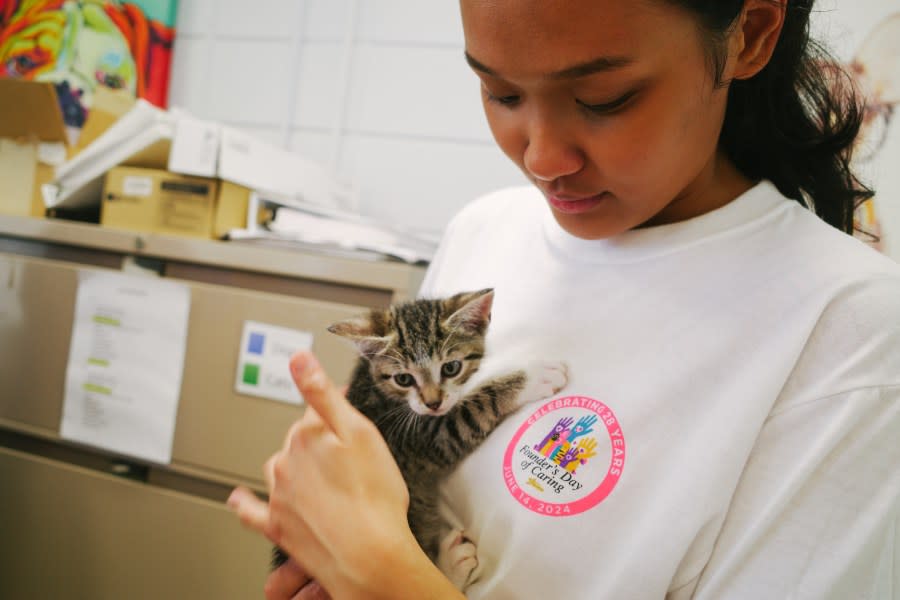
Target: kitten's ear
x: 474, y: 312
x: 361, y: 331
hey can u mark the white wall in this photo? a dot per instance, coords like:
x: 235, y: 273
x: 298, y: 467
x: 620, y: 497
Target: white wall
x: 396, y: 110
x: 843, y: 24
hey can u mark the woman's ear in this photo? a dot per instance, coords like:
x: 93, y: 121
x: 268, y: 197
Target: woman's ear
x: 755, y: 36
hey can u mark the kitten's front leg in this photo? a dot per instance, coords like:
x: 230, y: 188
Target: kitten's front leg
x: 506, y: 394
x: 458, y: 560
x: 544, y: 379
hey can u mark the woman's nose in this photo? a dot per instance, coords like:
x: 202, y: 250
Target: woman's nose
x: 550, y: 153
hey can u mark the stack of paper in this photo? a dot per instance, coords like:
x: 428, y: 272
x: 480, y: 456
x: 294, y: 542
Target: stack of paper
x: 174, y: 140
x: 302, y: 199
x: 331, y: 230
x: 143, y: 135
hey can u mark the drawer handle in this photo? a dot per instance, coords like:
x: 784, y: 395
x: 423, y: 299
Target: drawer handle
x: 127, y: 470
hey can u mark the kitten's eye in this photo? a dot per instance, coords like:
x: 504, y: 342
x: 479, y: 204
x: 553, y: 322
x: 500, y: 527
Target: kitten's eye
x: 404, y: 379
x: 451, y: 369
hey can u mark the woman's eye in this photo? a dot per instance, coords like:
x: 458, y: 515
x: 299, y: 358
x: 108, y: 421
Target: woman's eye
x: 502, y: 100
x: 404, y: 379
x: 608, y: 107
x: 505, y: 100
x: 451, y: 369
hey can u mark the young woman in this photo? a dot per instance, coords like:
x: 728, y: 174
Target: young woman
x: 734, y: 357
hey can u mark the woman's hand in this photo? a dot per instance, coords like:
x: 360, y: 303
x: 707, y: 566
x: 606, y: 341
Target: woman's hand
x: 290, y: 582
x: 337, y: 501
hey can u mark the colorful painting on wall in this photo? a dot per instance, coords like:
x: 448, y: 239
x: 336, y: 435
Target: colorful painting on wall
x: 81, y: 44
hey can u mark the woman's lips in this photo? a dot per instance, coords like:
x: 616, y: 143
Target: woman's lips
x: 574, y: 206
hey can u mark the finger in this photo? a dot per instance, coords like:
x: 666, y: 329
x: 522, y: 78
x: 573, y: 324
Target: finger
x: 308, y: 415
x: 312, y: 591
x: 285, y: 581
x: 269, y: 474
x: 253, y: 512
x: 319, y: 391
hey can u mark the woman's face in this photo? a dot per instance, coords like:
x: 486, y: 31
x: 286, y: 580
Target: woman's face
x: 609, y: 107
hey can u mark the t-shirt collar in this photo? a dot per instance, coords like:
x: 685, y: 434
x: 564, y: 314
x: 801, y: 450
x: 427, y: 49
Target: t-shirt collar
x: 649, y: 242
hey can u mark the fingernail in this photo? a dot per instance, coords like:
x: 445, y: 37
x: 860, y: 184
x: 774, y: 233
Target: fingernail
x: 304, y: 363
x: 232, y: 499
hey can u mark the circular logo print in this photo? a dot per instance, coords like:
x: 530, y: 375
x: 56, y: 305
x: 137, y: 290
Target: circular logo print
x: 566, y: 457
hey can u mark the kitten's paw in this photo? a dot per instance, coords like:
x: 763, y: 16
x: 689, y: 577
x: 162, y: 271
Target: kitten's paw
x: 457, y: 559
x: 544, y: 380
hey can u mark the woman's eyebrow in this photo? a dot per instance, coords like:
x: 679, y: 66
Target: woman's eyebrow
x: 597, y: 65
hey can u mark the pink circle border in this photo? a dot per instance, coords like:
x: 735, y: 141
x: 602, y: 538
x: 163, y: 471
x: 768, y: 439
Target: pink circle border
x: 591, y: 500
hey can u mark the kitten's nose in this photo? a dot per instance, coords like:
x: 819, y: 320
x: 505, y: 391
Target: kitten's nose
x: 432, y: 398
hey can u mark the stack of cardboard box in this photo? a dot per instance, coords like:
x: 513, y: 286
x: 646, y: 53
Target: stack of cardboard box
x: 141, y: 168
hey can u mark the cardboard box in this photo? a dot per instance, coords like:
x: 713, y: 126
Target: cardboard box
x: 107, y: 107
x: 33, y: 141
x: 158, y: 201
x: 128, y: 205
x: 231, y: 208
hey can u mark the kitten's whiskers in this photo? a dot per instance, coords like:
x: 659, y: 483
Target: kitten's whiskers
x: 394, y: 425
x: 412, y: 422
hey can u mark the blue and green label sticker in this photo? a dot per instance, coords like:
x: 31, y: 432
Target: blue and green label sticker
x: 263, y: 362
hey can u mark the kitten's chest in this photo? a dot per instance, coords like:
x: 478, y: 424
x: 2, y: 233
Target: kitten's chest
x: 409, y: 439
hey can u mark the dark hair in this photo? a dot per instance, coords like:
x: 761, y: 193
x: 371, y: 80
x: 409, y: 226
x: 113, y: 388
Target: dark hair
x: 795, y: 121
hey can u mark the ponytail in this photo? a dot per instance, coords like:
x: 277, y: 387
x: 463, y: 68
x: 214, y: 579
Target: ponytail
x: 795, y: 122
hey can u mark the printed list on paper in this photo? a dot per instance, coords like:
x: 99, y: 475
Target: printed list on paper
x: 125, y: 366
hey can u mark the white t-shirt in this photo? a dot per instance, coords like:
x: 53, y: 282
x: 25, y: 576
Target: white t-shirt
x: 731, y: 426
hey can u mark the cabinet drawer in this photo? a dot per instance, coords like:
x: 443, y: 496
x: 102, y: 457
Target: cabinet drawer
x: 218, y: 428
x: 73, y: 533
x: 218, y: 431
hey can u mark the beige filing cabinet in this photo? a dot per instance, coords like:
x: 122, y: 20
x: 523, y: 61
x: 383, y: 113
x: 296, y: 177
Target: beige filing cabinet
x: 77, y: 522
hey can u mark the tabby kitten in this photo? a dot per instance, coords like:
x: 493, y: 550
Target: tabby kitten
x: 414, y: 380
